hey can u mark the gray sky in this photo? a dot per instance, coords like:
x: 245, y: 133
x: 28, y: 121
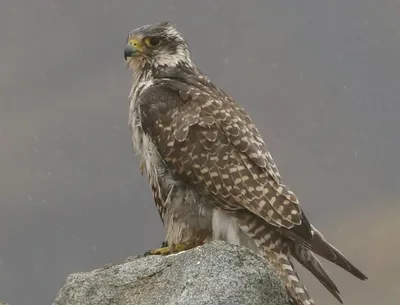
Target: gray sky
x: 320, y: 79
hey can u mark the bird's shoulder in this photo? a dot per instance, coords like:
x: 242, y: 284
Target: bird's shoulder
x: 181, y: 102
x: 204, y: 136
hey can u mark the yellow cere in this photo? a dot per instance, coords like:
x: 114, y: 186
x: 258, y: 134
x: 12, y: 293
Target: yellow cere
x: 135, y: 42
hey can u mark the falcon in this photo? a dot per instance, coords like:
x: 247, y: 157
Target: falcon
x: 211, y: 175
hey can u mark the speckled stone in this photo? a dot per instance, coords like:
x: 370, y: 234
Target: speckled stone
x: 214, y: 274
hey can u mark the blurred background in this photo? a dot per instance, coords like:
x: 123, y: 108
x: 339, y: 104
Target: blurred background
x: 320, y: 79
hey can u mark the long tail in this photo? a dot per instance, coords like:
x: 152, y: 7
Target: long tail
x: 305, y: 257
x: 276, y: 250
x: 319, y: 245
x: 297, y: 291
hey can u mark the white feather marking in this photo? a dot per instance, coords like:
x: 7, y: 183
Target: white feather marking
x: 286, y: 267
x: 299, y: 290
x: 141, y: 143
x: 293, y: 278
x: 259, y: 229
x: 172, y: 60
x: 225, y: 227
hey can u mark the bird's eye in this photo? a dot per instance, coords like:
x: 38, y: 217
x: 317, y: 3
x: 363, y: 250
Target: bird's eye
x: 152, y: 41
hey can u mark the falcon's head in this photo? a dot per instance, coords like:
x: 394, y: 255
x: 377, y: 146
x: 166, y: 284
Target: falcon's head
x: 155, y: 45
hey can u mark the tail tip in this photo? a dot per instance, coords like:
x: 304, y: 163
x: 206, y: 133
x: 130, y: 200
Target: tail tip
x: 357, y: 273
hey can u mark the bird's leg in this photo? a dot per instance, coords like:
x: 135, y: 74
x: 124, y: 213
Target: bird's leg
x: 174, y: 248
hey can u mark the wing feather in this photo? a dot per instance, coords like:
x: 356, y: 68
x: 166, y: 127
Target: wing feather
x: 208, y: 141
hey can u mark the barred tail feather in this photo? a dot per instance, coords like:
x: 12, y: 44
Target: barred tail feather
x: 276, y: 250
x: 319, y: 245
x: 296, y: 290
x: 305, y: 257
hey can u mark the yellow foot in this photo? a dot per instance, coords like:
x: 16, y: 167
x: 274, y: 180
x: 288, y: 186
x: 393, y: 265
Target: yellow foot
x: 174, y: 248
x: 159, y: 251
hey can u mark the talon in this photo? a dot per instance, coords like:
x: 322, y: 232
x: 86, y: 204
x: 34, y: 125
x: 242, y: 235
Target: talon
x: 159, y: 251
x: 180, y: 247
x: 174, y: 248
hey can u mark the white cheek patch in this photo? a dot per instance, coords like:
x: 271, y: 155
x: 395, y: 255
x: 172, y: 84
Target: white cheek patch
x: 172, y: 60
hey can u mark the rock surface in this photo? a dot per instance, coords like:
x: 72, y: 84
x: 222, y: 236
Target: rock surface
x: 217, y: 273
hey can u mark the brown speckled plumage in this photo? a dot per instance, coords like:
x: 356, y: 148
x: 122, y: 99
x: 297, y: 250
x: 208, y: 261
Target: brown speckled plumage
x: 211, y: 174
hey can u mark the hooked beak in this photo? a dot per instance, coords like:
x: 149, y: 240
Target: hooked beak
x: 130, y: 51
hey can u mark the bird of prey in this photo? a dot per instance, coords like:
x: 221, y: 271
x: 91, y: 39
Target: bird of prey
x: 210, y: 172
